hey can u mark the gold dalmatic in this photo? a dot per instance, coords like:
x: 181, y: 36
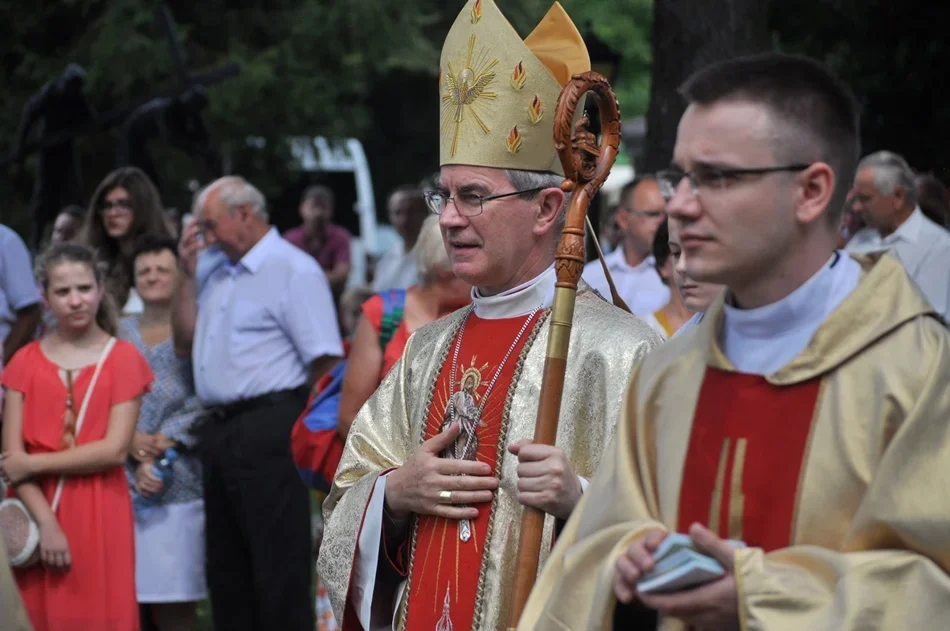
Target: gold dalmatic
x: 833, y: 470
x: 410, y: 406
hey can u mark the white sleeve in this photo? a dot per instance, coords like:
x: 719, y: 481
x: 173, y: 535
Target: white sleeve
x: 366, y: 563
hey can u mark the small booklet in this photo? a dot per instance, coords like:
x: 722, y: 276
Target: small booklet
x: 679, y: 565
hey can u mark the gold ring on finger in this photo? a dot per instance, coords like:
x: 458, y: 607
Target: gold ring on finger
x: 445, y: 497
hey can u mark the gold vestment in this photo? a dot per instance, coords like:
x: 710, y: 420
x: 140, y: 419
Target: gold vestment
x: 870, y: 538
x: 606, y: 343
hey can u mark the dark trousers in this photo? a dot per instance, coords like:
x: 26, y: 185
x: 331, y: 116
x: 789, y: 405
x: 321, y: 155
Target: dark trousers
x: 257, y: 519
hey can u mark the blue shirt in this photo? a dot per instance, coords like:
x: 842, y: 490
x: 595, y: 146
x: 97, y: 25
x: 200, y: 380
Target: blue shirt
x: 261, y: 321
x: 17, y: 287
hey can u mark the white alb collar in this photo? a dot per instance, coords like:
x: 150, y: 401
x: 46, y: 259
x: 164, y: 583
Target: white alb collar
x: 801, y: 308
x: 518, y: 301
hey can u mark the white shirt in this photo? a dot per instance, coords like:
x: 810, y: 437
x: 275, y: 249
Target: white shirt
x: 762, y: 340
x: 17, y: 286
x: 923, y: 247
x: 640, y: 287
x: 396, y: 269
x: 261, y: 321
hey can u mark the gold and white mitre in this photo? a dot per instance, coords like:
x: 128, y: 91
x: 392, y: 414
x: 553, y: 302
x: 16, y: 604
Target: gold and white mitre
x: 499, y: 93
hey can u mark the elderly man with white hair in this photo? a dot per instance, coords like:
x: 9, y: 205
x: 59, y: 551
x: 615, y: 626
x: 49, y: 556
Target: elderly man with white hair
x: 256, y: 315
x: 885, y: 195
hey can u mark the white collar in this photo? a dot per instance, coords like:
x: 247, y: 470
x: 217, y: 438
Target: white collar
x: 519, y: 301
x: 799, y: 309
x: 908, y: 231
x: 617, y: 260
x: 254, y: 257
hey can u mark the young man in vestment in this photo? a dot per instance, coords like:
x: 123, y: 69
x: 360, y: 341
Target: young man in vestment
x: 806, y: 415
x: 423, y: 519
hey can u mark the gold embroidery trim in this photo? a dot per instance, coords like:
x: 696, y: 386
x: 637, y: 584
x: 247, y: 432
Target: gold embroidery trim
x: 736, y: 498
x: 715, y: 506
x: 466, y: 91
x: 535, y: 111
x: 513, y: 142
x: 519, y: 76
x: 500, y: 452
x: 476, y: 11
x: 444, y: 355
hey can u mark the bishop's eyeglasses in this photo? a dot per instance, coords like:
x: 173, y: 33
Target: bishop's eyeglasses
x: 713, y: 178
x: 468, y: 204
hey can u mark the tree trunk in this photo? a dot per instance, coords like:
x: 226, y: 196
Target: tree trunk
x: 688, y: 35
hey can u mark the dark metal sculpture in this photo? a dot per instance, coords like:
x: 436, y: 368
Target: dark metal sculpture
x: 49, y: 116
x: 176, y: 120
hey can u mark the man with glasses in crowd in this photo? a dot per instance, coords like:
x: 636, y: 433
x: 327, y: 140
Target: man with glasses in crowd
x: 423, y: 518
x: 805, y: 416
x: 631, y: 265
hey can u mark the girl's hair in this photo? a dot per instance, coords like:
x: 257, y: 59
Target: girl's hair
x: 106, y: 316
x: 661, y: 248
x: 148, y: 218
x: 661, y: 244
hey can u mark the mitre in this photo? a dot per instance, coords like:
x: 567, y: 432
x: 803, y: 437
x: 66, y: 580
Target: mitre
x: 499, y: 93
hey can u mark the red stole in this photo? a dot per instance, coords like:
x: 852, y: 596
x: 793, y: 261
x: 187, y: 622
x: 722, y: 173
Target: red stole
x: 746, y: 452
x: 445, y: 571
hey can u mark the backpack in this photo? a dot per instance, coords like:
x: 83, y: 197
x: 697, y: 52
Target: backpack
x: 314, y: 442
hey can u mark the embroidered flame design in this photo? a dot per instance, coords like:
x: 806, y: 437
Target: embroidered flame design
x: 519, y: 76
x: 513, y: 142
x: 476, y: 11
x: 536, y: 111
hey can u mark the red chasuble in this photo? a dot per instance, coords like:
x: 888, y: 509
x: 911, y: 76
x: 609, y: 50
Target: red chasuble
x: 445, y: 570
x: 746, y: 454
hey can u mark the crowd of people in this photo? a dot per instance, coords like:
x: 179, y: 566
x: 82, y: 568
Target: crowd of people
x: 221, y: 335
x: 771, y: 383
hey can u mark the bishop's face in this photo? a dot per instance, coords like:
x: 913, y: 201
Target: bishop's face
x: 493, y: 245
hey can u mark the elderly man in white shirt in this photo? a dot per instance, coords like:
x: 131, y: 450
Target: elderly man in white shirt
x: 632, y: 266
x: 256, y: 315
x: 885, y: 194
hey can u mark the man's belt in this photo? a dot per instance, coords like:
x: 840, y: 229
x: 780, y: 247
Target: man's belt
x: 231, y: 410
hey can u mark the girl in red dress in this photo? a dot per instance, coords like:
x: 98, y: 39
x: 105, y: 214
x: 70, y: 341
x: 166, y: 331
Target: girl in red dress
x: 86, y: 578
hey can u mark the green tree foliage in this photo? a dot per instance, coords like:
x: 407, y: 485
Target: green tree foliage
x: 893, y: 55
x: 360, y: 68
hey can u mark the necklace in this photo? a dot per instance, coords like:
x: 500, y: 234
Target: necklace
x: 472, y: 416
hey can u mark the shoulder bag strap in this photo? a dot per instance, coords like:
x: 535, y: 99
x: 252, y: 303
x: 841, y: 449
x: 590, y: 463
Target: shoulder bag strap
x: 82, y: 413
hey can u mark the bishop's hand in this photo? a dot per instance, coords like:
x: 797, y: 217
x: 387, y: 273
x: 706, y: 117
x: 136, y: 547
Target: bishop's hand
x: 421, y: 485
x: 546, y: 480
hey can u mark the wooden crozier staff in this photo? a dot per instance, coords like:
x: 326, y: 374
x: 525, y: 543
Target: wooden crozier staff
x: 586, y: 166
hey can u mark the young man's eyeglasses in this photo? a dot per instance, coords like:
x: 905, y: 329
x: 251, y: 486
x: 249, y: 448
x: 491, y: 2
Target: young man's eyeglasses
x: 468, y: 204
x: 712, y: 178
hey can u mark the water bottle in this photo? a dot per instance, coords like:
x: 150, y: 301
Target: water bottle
x: 163, y: 471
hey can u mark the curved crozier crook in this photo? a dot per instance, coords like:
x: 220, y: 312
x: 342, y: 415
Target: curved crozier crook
x: 586, y: 164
